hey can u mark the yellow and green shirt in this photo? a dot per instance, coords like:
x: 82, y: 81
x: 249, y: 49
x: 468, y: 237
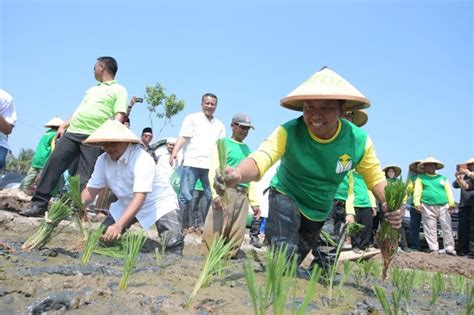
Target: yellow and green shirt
x: 100, y: 103
x: 236, y: 152
x: 359, y: 196
x: 432, y: 190
x: 312, y: 168
x: 43, y: 150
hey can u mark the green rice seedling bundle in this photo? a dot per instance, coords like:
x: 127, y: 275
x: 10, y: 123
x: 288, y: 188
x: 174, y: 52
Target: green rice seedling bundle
x: 74, y: 194
x: 58, y: 211
x: 437, y: 286
x: 92, y: 241
x: 222, y: 151
x: 114, y: 250
x: 387, y: 236
x: 220, y: 249
x: 457, y: 283
x: 132, y: 243
x: 160, y: 252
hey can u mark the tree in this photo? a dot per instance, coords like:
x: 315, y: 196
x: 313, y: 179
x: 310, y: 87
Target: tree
x: 20, y: 164
x: 162, y: 105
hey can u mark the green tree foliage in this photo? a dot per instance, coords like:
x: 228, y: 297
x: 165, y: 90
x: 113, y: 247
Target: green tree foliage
x: 162, y: 105
x: 20, y: 164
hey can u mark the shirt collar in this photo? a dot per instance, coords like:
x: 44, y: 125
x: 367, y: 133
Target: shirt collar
x: 107, y: 82
x: 125, y: 157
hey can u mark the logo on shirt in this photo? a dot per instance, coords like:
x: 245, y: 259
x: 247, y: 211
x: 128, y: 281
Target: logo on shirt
x: 344, y: 163
x: 442, y: 182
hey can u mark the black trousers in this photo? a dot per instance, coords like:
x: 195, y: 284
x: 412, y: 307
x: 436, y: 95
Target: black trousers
x: 362, y: 239
x: 466, y: 230
x: 68, y: 148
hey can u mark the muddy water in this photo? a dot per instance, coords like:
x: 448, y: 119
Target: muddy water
x: 53, y: 279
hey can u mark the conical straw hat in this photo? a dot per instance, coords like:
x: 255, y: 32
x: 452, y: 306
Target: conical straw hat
x: 396, y: 168
x: 325, y: 85
x: 431, y: 159
x: 54, y: 122
x: 470, y: 161
x: 111, y: 131
x: 414, y: 166
x: 360, y: 118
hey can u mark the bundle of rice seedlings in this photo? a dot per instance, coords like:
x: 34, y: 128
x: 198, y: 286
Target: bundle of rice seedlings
x: 160, y: 252
x: 58, y: 211
x: 132, y: 243
x: 222, y: 151
x: 387, y: 236
x: 92, y: 241
x: 74, y: 194
x: 115, y: 251
x: 219, y: 250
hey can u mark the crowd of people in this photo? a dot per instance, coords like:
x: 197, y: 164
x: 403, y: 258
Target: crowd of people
x: 326, y: 172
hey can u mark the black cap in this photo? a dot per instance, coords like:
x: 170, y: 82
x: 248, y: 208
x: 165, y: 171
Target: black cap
x: 147, y: 129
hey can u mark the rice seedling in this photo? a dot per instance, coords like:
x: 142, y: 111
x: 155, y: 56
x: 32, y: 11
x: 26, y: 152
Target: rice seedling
x: 220, y: 249
x: 419, y: 279
x: 310, y: 290
x: 470, y: 301
x: 457, y: 283
x: 160, y: 252
x: 132, y: 243
x: 388, y: 309
x: 347, y: 267
x: 387, y: 236
x: 74, y: 194
x: 58, y: 211
x: 357, y: 275
x: 395, y: 276
x: 222, y: 151
x: 92, y: 241
x: 366, y: 267
x: 115, y: 251
x: 437, y: 285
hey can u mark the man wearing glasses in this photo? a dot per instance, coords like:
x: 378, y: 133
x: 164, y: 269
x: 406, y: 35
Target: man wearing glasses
x: 198, y: 135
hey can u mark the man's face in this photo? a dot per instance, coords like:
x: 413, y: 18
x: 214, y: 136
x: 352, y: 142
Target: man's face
x: 470, y: 167
x: 147, y: 137
x: 99, y: 69
x: 321, y: 117
x: 239, y: 132
x: 208, y: 106
x: 170, y: 147
x: 115, y: 149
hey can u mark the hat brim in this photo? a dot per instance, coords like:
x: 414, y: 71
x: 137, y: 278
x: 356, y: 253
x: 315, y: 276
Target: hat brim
x: 245, y: 125
x: 414, y: 166
x: 101, y: 142
x: 296, y: 102
x: 438, y: 165
x: 360, y: 118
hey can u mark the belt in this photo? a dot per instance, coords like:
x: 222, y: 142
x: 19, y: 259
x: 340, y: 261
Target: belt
x: 241, y: 189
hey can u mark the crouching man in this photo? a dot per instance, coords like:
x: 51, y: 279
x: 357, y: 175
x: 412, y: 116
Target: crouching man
x: 129, y: 172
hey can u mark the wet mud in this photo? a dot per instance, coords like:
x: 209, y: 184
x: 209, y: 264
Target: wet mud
x: 52, y: 279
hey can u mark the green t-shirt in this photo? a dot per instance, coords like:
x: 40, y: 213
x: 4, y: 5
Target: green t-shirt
x: 361, y: 192
x: 342, y: 191
x: 43, y: 150
x: 236, y: 152
x: 434, y: 192
x: 311, y: 171
x: 100, y: 103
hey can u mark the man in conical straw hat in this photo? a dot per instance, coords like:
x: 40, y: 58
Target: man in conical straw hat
x: 465, y: 181
x: 42, y: 153
x: 433, y: 197
x: 316, y: 151
x: 415, y: 215
x: 129, y: 172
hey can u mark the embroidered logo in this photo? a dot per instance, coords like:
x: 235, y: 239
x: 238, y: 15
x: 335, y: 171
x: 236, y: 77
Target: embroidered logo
x: 344, y: 163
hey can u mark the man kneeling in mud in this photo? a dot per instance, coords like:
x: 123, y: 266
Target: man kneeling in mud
x: 129, y: 172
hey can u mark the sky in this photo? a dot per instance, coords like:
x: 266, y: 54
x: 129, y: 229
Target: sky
x: 411, y: 59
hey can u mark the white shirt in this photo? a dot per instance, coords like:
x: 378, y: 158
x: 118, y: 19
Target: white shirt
x: 7, y: 110
x: 134, y: 172
x: 202, y: 135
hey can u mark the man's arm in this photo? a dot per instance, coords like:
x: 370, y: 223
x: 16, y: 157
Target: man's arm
x: 88, y: 195
x: 179, y: 144
x: 120, y: 117
x: 5, y: 126
x: 114, y: 231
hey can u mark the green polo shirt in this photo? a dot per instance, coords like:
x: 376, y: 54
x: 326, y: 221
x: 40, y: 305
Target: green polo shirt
x: 43, y: 150
x: 100, y: 103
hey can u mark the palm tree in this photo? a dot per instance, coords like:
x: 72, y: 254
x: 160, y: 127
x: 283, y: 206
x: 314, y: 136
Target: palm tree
x: 20, y: 164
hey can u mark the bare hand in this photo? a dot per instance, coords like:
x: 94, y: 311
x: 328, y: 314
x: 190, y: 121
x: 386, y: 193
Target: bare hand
x: 172, y: 159
x: 374, y: 212
x: 256, y: 212
x: 350, y: 218
x: 59, y: 133
x: 450, y: 210
x: 393, y: 217
x: 218, y: 203
x: 114, y: 232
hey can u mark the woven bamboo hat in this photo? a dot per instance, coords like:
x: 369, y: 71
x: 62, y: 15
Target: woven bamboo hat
x: 470, y: 161
x: 325, y: 85
x: 431, y: 159
x: 54, y: 122
x: 359, y: 117
x: 111, y: 131
x: 396, y: 168
x: 414, y: 166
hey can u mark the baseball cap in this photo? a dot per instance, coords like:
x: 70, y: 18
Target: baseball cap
x: 243, y: 120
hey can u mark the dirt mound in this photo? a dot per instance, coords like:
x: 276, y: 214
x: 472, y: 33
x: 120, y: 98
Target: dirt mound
x: 14, y: 200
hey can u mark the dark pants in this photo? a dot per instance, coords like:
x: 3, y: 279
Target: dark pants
x: 361, y: 239
x: 336, y: 220
x: 67, y: 149
x: 168, y: 228
x: 415, y: 222
x: 255, y: 228
x: 466, y: 230
x: 195, y: 214
x: 286, y: 226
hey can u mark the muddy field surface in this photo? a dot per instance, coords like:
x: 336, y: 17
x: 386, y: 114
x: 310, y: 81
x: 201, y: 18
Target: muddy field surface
x: 52, y: 279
